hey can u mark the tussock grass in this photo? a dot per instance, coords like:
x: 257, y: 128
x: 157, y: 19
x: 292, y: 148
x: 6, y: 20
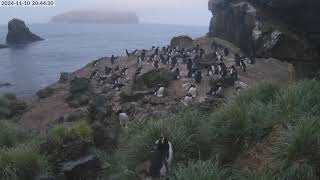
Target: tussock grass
x: 297, y: 154
x: 20, y: 162
x: 76, y: 130
x: 200, y: 170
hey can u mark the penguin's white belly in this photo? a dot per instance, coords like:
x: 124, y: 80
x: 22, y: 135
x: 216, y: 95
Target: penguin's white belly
x: 124, y: 119
x: 193, y: 92
x: 187, y: 100
x: 160, y: 92
x: 169, y: 160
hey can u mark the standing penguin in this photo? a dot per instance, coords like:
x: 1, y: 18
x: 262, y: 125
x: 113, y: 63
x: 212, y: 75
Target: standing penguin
x: 156, y: 64
x: 198, y: 76
x: 176, y: 74
x: 243, y: 66
x: 123, y: 118
x: 187, y: 100
x: 189, y: 64
x: 161, y: 159
x: 237, y: 59
x: 234, y: 73
x: 159, y: 91
x: 123, y: 72
x: 113, y: 59
x: 216, y: 90
x: 193, y: 91
x: 226, y: 52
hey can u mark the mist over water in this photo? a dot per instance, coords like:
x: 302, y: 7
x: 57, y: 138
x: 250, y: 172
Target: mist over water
x: 69, y: 47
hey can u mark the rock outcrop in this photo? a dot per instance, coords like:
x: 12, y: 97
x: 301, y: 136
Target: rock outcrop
x: 179, y: 41
x: 269, y: 28
x: 19, y: 33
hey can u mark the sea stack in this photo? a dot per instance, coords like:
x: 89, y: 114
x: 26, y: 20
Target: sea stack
x: 19, y: 33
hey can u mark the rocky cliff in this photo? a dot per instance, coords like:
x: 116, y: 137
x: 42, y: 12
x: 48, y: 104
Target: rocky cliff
x: 287, y: 30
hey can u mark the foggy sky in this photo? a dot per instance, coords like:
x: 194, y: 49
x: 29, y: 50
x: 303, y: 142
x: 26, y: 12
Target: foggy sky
x: 187, y: 12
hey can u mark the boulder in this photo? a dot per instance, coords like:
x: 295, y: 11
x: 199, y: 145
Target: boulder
x: 152, y: 78
x: 19, y: 33
x: 184, y: 41
x: 87, y: 167
x: 45, y: 93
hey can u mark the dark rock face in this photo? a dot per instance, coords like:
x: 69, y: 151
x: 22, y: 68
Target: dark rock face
x: 105, y: 122
x: 64, y: 77
x: 19, y: 33
x: 86, y: 167
x: 255, y: 30
x: 45, y: 93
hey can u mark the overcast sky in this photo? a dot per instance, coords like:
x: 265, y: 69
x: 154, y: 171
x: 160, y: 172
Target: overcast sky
x: 188, y: 12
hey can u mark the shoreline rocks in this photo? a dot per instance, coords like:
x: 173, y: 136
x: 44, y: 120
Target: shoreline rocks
x: 19, y: 33
x: 3, y: 46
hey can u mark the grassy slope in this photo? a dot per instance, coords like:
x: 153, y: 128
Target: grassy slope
x: 215, y: 140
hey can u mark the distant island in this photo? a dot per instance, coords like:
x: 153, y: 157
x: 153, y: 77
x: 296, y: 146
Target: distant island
x: 88, y: 16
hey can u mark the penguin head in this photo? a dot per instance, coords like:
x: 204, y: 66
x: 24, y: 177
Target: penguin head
x: 162, y: 143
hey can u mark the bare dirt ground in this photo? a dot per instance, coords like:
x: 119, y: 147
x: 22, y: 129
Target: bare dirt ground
x: 45, y: 111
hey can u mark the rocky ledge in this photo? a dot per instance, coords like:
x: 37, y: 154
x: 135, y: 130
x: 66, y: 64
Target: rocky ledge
x: 19, y: 33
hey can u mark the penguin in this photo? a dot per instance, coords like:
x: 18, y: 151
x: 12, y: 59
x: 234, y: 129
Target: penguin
x: 138, y: 71
x: 113, y: 59
x: 161, y: 158
x: 176, y: 74
x: 237, y: 59
x: 226, y: 52
x: 243, y: 66
x: 153, y: 47
x: 233, y: 73
x: 216, y: 90
x: 156, y: 64
x: 187, y: 100
x: 123, y: 118
x: 210, y: 72
x: 94, y: 74
x: 193, y: 91
x: 174, y: 61
x: 95, y: 63
x: 252, y: 60
x: 222, y: 69
x: 156, y: 51
x: 202, y: 53
x: 162, y: 59
x: 123, y: 72
x: 213, y: 45
x: 118, y: 86
x: 107, y: 70
x: 198, y: 76
x: 159, y: 91
x: 189, y: 64
x: 191, y: 73
x: 139, y: 61
x: 128, y: 54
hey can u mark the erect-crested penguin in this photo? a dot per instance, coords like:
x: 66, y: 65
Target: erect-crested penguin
x: 177, y: 73
x: 156, y: 64
x: 187, y: 100
x: 233, y: 73
x: 243, y: 66
x: 94, y: 74
x: 193, y: 91
x: 123, y: 118
x: 216, y: 90
x: 159, y: 91
x: 161, y: 158
x: 189, y: 64
x: 113, y: 59
x: 237, y: 59
x: 191, y: 73
x: 123, y: 71
x: 198, y: 76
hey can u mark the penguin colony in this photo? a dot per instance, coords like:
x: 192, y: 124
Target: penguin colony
x: 175, y: 59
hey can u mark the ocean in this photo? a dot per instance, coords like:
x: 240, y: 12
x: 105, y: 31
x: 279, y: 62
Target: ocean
x: 68, y: 47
